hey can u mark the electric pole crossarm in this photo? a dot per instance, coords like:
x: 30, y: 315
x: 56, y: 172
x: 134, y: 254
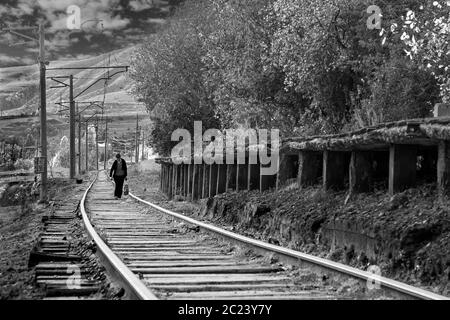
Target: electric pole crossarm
x: 90, y: 68
x: 13, y: 31
x: 63, y: 84
x: 97, y: 81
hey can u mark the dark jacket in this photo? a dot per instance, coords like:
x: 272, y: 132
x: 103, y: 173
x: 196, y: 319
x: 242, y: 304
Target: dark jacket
x: 114, y: 169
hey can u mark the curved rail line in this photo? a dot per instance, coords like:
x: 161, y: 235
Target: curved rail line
x: 303, y: 257
x: 115, y: 267
x: 138, y: 290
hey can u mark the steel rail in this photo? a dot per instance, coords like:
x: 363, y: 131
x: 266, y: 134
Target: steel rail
x: 393, y: 285
x: 134, y: 287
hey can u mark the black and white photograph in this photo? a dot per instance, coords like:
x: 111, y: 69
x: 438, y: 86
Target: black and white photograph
x: 230, y: 158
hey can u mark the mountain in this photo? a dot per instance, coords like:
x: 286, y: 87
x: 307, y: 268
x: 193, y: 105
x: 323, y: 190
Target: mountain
x: 114, y: 92
x: 119, y: 104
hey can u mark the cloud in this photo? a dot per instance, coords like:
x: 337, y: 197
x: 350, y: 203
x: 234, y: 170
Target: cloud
x: 156, y: 20
x: 139, y: 5
x: 25, y: 7
x: 115, y: 23
x: 59, y: 5
x: 123, y: 23
x: 6, y: 60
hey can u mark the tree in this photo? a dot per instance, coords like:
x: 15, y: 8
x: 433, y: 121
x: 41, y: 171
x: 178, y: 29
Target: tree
x: 167, y: 72
x: 247, y: 91
x: 302, y: 66
x: 326, y: 49
x: 424, y: 31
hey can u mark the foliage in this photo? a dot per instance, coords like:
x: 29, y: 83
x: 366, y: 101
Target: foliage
x: 167, y: 71
x: 18, y: 99
x: 247, y: 92
x: 302, y: 66
x: 425, y: 32
x: 399, y: 89
x: 24, y: 164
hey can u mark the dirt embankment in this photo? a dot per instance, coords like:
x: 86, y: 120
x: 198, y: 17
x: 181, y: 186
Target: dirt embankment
x: 407, y: 236
x: 20, y: 227
x: 21, y: 224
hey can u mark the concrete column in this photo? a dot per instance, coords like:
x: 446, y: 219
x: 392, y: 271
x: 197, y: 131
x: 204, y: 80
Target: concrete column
x: 221, y: 178
x: 213, y: 177
x: 402, y: 167
x: 179, y: 179
x: 183, y: 180
x: 165, y: 179
x: 361, y: 175
x: 199, y: 181
x: 170, y: 181
x: 194, y: 185
x: 443, y: 169
x: 189, y: 181
x: 174, y: 180
x: 206, y: 181
x: 310, y: 166
x: 335, y: 169
x: 161, y: 172
x: 241, y: 177
x: 231, y: 177
x: 253, y: 176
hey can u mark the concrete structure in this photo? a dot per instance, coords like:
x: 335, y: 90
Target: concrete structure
x: 395, y: 156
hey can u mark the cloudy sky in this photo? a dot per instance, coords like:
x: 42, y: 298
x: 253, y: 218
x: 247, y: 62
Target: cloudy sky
x: 106, y: 25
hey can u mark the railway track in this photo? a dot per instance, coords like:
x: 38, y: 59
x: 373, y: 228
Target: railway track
x: 62, y: 264
x: 158, y: 254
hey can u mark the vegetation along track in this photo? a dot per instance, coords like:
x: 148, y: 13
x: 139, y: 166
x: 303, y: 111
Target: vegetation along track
x: 154, y: 256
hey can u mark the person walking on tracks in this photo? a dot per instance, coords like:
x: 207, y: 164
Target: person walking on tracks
x: 119, y: 173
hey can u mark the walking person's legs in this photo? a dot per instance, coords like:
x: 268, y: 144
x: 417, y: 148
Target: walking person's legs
x: 119, y: 186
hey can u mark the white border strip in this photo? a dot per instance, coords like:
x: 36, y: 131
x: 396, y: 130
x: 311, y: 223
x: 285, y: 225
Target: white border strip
x: 126, y: 276
x: 335, y: 266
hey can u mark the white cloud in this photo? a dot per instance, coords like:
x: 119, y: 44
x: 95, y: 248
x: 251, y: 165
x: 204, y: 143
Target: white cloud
x: 139, y: 5
x: 59, y: 5
x: 114, y: 23
x: 156, y: 20
x: 9, y: 60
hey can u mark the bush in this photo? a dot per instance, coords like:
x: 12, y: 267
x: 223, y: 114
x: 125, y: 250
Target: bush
x: 24, y: 164
x: 399, y: 90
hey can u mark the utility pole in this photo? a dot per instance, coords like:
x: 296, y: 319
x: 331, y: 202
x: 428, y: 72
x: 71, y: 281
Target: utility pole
x: 106, y: 143
x: 43, y: 105
x: 43, y: 195
x: 87, y: 147
x: 72, y: 129
x: 143, y: 144
x: 79, y: 141
x: 96, y: 142
x: 136, y: 144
